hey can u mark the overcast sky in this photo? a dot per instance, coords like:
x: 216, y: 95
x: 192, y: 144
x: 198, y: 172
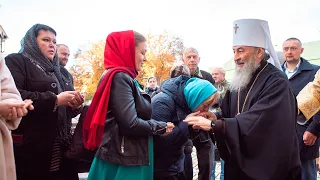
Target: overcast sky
x: 203, y: 24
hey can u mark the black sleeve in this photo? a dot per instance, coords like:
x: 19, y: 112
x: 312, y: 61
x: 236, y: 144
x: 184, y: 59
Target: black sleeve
x: 225, y: 105
x: 314, y: 126
x: 43, y: 101
x: 123, y: 108
x: 207, y: 76
x: 71, y: 77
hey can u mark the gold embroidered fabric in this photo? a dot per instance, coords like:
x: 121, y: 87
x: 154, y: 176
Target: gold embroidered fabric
x: 309, y: 98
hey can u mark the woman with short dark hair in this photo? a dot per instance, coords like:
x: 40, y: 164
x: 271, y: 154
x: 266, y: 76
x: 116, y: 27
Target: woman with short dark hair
x: 44, y: 133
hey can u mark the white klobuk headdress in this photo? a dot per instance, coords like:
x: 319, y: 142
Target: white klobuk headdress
x: 256, y: 33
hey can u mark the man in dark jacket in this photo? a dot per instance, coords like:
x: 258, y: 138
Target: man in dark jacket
x: 63, y: 56
x: 300, y: 72
x: 203, y: 142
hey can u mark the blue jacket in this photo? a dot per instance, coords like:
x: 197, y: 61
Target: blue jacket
x: 298, y: 81
x: 170, y: 106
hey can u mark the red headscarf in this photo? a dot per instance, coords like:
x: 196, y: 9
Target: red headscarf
x: 119, y: 56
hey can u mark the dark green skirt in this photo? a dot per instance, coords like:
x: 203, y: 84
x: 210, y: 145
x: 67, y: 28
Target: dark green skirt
x: 103, y: 170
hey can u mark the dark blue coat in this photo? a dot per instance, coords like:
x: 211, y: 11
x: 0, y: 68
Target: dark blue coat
x: 170, y: 106
x: 298, y: 81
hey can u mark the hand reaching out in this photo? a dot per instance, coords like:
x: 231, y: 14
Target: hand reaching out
x: 199, y: 122
x: 169, y: 128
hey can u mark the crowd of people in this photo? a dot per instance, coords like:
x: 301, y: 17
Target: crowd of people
x: 264, y: 122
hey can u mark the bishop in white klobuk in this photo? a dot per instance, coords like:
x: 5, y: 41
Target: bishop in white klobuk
x: 257, y: 134
x: 255, y: 33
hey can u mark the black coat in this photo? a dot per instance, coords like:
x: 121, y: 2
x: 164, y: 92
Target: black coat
x: 66, y: 74
x: 128, y: 124
x: 33, y: 140
x: 298, y: 81
x: 207, y: 76
x: 261, y: 143
x: 151, y: 91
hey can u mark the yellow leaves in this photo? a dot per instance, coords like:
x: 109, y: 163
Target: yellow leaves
x: 163, y: 51
x: 88, y: 68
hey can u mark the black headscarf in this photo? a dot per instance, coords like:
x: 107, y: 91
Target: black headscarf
x: 31, y: 50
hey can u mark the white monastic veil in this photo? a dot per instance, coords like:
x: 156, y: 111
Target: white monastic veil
x: 274, y: 60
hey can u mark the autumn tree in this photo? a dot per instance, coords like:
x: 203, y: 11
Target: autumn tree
x: 163, y: 51
x: 88, y: 68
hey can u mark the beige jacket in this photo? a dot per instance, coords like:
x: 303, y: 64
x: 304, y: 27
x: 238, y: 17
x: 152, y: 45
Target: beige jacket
x: 309, y: 97
x: 8, y: 92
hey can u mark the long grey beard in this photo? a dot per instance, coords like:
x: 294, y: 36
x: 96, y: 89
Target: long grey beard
x: 242, y: 76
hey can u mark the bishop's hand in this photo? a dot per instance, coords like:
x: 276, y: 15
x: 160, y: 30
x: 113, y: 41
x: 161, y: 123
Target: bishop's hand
x: 198, y: 122
x: 208, y: 115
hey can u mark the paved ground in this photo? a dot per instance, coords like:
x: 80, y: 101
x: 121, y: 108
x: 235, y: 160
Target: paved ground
x: 195, y: 166
x: 83, y: 176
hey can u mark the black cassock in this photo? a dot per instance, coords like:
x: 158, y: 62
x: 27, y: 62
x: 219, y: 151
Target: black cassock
x: 261, y: 142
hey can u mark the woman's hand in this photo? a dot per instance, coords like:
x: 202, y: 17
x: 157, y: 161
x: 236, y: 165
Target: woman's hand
x: 65, y: 97
x: 15, y: 109
x: 199, y: 122
x: 28, y: 104
x: 169, y: 128
x: 8, y: 109
x: 77, y: 101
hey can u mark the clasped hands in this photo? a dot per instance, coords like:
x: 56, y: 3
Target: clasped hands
x: 72, y: 99
x: 14, y: 109
x: 200, y: 120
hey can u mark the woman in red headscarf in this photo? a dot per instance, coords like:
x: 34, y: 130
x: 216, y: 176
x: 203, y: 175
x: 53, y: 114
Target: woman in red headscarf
x: 118, y: 121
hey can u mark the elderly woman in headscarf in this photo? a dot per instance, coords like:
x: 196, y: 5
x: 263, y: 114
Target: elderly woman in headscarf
x: 178, y: 98
x: 44, y: 134
x: 118, y: 120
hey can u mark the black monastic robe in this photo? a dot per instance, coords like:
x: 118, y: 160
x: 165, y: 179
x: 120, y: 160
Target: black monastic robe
x: 261, y: 142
